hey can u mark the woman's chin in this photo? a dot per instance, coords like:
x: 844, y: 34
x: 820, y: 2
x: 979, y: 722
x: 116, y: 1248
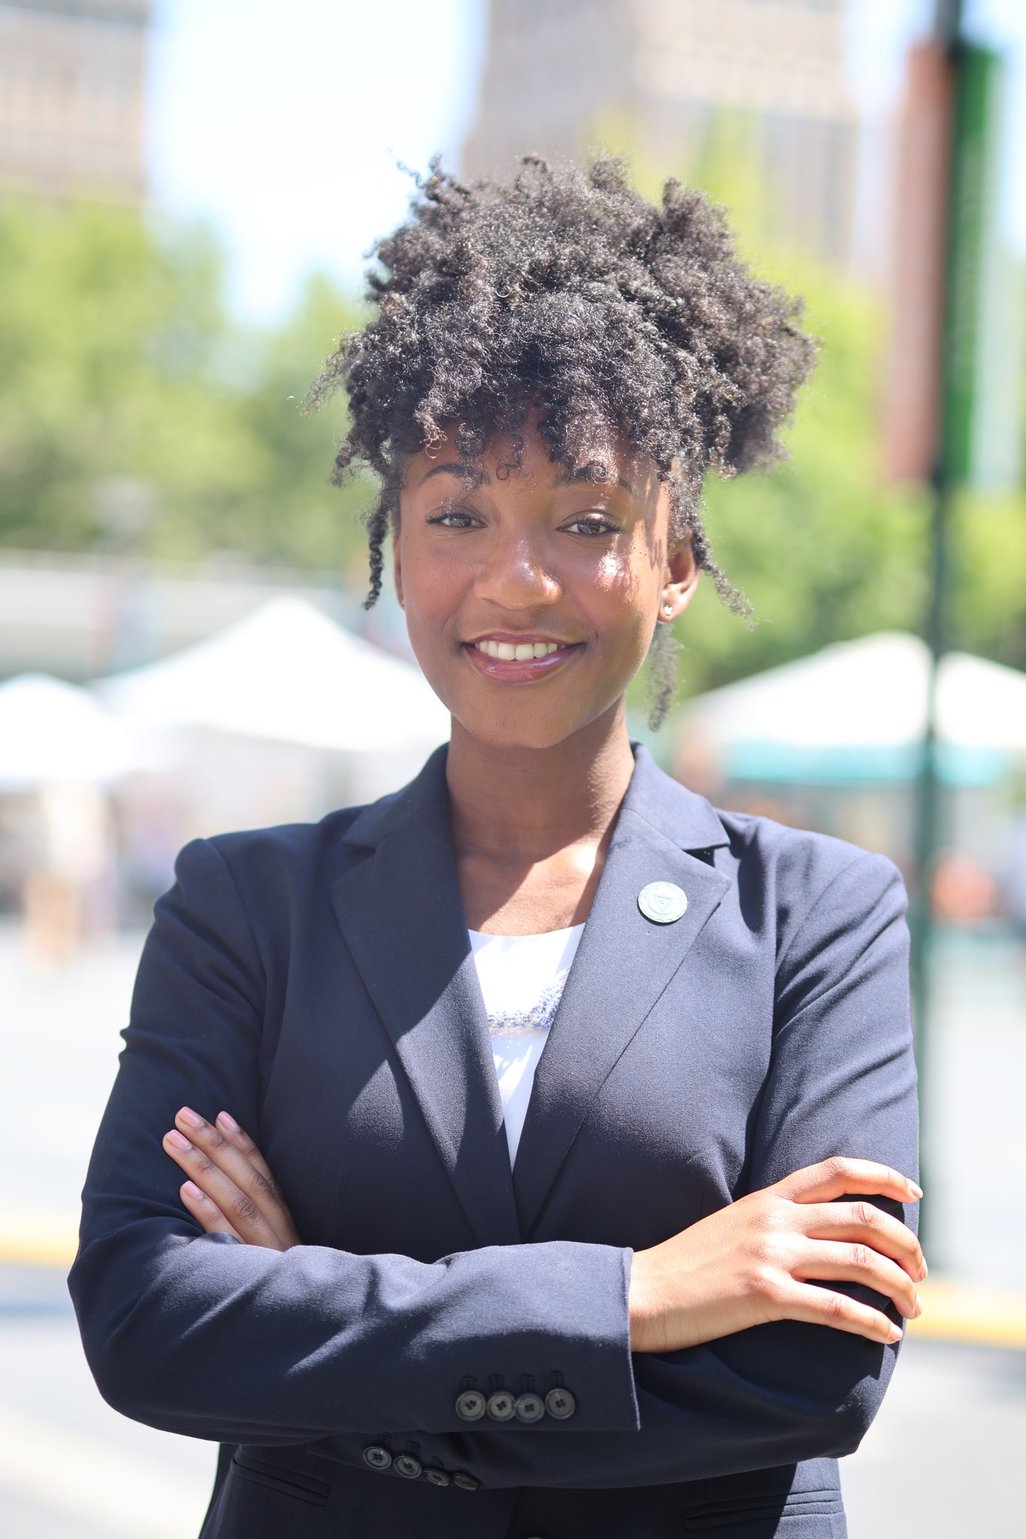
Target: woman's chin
x: 512, y: 730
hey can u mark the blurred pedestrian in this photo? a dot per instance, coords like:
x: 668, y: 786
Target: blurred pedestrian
x: 1013, y: 883
x: 68, y: 886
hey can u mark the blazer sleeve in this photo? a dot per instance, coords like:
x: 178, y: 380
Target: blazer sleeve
x: 841, y: 1082
x: 203, y: 1335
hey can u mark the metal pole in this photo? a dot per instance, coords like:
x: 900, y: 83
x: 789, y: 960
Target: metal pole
x: 948, y: 34
x: 928, y: 821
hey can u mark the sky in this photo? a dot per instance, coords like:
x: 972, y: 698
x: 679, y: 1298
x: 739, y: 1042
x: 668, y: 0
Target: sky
x: 286, y: 123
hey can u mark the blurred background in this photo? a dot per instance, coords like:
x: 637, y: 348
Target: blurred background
x: 189, y: 194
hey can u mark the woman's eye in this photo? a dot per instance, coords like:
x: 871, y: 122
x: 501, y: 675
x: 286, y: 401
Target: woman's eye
x: 592, y: 524
x: 454, y: 518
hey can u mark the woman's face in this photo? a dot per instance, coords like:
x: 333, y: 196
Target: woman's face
x: 531, y: 594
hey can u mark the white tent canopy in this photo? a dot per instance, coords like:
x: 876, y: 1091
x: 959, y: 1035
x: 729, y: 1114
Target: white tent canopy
x: 287, y: 673
x: 858, y: 699
x: 52, y: 732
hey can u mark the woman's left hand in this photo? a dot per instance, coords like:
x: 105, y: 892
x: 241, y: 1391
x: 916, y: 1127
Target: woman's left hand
x: 230, y: 1189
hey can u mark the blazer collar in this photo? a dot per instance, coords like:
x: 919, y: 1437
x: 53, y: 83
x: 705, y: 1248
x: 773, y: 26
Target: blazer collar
x: 685, y: 819
x: 623, y: 964
x: 402, y: 917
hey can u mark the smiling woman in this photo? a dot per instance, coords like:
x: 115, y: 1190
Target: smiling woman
x: 556, y: 1130
x: 515, y: 571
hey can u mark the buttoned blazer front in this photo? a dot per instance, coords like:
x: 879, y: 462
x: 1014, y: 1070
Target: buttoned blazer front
x: 317, y: 981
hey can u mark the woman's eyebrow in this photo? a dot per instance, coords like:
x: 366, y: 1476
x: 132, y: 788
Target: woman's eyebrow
x: 466, y: 471
x: 463, y: 470
x: 573, y: 477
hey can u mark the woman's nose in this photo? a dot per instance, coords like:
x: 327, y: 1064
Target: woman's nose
x: 517, y: 574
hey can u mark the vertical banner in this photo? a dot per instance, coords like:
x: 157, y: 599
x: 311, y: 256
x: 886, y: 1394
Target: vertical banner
x: 912, y: 391
x: 982, y: 368
x: 957, y: 339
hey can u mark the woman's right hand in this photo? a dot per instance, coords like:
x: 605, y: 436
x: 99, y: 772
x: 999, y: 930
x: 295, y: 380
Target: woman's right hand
x: 230, y: 1188
x: 760, y: 1260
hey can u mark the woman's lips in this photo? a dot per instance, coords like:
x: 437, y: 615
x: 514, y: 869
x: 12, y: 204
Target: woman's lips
x: 520, y: 659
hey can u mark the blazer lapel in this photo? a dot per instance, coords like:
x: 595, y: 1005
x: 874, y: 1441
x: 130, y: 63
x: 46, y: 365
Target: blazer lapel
x: 623, y: 964
x: 402, y: 918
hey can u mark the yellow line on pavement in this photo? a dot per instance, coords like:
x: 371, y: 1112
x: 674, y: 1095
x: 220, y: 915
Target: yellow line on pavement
x: 33, y: 1239
x: 976, y: 1316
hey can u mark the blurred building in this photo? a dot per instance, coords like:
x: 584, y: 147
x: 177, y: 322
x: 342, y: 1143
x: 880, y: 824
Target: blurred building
x: 72, y: 89
x: 563, y: 75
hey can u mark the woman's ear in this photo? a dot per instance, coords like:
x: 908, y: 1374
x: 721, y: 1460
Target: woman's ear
x: 680, y: 582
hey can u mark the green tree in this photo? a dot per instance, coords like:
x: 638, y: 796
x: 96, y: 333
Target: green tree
x: 824, y: 549
x: 133, y: 411
x: 298, y: 516
x: 988, y: 577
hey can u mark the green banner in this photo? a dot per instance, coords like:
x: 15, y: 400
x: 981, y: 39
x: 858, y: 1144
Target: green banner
x: 983, y: 331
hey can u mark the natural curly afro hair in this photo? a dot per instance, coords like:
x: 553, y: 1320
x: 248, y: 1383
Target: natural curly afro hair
x: 563, y: 292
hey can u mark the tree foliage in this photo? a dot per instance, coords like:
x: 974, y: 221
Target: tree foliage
x: 135, y: 414
x: 825, y: 549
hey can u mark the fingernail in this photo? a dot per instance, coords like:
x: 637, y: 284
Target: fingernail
x: 228, y: 1121
x: 895, y: 1332
x: 919, y: 1306
x: 194, y: 1191
x: 918, y: 1190
x: 178, y: 1139
x: 189, y: 1117
x: 925, y: 1273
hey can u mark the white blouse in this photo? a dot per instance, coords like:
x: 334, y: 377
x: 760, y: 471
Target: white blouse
x: 521, y: 978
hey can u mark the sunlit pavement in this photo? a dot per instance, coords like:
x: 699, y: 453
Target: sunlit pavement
x: 944, y: 1458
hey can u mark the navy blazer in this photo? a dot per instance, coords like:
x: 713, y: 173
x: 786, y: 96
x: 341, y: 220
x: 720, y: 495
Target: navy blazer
x: 317, y: 981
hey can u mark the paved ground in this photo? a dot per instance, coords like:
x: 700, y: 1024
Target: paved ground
x: 944, y: 1458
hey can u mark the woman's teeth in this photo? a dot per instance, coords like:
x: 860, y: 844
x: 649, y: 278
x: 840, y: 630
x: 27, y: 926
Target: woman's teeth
x: 506, y: 652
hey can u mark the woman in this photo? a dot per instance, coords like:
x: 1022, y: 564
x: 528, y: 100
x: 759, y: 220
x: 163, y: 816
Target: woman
x: 630, y: 1285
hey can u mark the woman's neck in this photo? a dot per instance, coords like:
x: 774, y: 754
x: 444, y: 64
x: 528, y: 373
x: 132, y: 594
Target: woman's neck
x: 530, y: 827
x: 529, y: 803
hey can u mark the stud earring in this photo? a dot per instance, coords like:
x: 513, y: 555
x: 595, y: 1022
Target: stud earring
x: 667, y: 610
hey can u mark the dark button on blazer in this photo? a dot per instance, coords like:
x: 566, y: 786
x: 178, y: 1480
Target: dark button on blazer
x: 317, y: 981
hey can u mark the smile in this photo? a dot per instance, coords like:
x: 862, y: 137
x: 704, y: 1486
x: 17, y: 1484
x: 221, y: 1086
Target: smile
x: 521, y: 652
x: 508, y: 661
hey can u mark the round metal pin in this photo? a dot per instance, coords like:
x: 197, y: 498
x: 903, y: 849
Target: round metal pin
x: 662, y: 902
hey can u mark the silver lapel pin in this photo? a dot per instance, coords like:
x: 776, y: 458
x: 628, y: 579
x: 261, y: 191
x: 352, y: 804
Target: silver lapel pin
x: 662, y: 902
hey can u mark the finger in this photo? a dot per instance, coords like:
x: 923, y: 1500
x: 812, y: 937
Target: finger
x: 828, y: 1261
x: 232, y: 1150
x: 249, y: 1221
x: 841, y: 1177
x: 206, y: 1213
x: 820, y: 1306
x: 235, y: 1158
x: 865, y: 1223
x: 241, y: 1140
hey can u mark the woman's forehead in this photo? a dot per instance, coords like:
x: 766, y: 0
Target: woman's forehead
x: 598, y: 457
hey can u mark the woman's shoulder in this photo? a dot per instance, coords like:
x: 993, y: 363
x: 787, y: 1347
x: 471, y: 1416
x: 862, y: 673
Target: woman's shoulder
x: 342, y: 835
x: 803, y: 852
x: 806, y: 886
x: 275, y: 849
x: 280, y: 856
x: 746, y: 843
